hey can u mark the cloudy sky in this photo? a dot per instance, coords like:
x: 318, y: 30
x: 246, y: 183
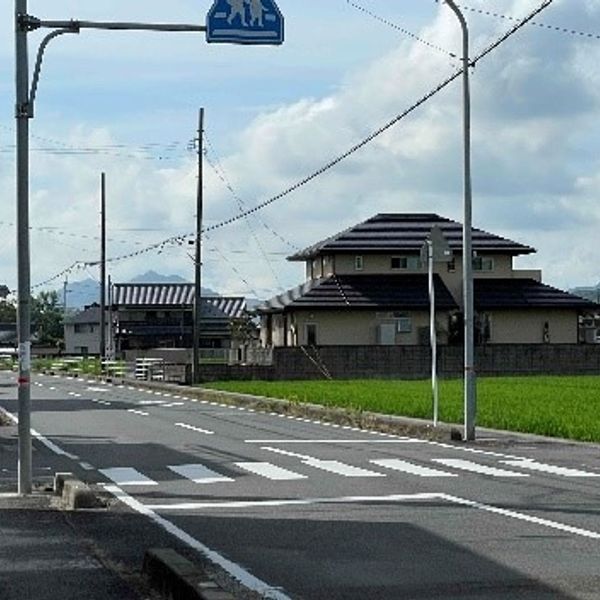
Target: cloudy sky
x: 127, y: 104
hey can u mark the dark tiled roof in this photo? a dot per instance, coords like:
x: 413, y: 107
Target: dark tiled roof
x: 386, y: 292
x: 89, y: 315
x: 175, y: 295
x: 406, y: 233
x: 524, y: 293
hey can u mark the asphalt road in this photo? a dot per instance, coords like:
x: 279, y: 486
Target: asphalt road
x: 300, y: 509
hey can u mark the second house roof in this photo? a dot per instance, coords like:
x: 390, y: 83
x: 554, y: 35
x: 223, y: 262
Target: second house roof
x: 406, y: 232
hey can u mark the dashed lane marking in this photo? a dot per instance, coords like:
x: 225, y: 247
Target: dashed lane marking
x: 194, y: 428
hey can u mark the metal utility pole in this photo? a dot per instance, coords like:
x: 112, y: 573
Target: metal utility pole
x: 102, y: 271
x: 470, y: 382
x: 25, y: 100
x: 198, y: 256
x: 24, y: 275
x: 432, y: 333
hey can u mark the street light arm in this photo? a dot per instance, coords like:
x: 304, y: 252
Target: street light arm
x: 38, y: 65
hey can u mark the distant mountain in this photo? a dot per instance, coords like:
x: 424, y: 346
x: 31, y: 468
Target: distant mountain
x: 81, y: 293
x: 154, y: 277
x: 589, y: 293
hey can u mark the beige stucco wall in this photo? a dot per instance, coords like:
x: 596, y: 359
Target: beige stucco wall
x: 527, y: 326
x: 358, y: 327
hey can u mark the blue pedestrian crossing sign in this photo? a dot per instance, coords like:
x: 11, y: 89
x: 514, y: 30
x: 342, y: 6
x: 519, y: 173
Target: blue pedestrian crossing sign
x: 244, y: 22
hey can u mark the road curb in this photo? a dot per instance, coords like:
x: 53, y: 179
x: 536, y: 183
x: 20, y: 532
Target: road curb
x: 177, y: 578
x: 344, y: 417
x: 74, y: 494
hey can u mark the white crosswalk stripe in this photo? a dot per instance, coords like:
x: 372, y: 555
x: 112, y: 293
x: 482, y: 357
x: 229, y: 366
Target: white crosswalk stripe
x: 532, y: 465
x: 467, y: 465
x: 332, y: 466
x: 127, y: 476
x: 199, y: 473
x: 340, y: 468
x: 411, y: 468
x: 270, y: 471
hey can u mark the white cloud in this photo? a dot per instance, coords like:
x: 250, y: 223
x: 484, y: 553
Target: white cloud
x: 535, y: 108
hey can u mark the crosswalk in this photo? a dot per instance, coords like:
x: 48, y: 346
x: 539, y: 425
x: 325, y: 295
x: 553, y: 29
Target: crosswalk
x: 310, y: 467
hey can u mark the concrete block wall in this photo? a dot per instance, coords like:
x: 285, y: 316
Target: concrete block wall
x: 414, y: 362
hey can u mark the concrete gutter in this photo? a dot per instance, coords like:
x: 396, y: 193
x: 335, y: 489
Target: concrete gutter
x: 176, y: 578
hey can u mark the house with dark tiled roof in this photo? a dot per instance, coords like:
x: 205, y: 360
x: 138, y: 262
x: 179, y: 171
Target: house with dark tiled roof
x: 149, y: 315
x: 82, y: 331
x: 369, y: 286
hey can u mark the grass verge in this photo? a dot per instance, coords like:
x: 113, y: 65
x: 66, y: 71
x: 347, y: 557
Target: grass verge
x: 565, y: 407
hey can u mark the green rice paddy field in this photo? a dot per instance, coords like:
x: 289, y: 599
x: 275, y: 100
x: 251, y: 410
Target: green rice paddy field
x: 566, y: 407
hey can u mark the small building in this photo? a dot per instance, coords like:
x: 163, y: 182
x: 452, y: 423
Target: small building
x: 160, y: 315
x: 369, y: 286
x: 82, y: 332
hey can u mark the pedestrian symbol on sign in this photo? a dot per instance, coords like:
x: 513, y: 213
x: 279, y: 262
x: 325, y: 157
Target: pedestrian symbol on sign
x: 244, y: 22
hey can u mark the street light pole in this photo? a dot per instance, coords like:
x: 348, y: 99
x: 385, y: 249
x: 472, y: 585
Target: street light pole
x: 22, y: 114
x: 470, y: 383
x: 24, y: 111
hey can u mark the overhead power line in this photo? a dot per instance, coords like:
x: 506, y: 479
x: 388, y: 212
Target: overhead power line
x: 557, y: 28
x: 181, y: 239
x: 402, y: 30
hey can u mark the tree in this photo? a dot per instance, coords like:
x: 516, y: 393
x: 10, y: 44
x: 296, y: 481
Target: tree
x: 47, y: 318
x: 8, y: 312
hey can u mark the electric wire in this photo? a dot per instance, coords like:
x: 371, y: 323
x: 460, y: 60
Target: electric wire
x: 180, y: 239
x: 557, y: 28
x: 402, y: 30
x: 218, y: 169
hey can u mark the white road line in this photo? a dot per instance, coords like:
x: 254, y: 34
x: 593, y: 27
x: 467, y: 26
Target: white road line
x: 141, y: 413
x: 543, y: 468
x: 127, y: 476
x: 52, y: 388
x: 151, y: 402
x: 333, y: 441
x: 38, y: 436
x: 270, y: 471
x: 406, y: 467
x: 246, y: 579
x: 199, y: 474
x: 595, y: 535
x: 173, y: 404
x: 93, y: 388
x: 194, y: 428
x: 522, y: 517
x: 295, y: 502
x: 9, y: 495
x: 467, y: 465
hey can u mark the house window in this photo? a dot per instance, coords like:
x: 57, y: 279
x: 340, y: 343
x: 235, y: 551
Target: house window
x: 452, y: 266
x: 483, y: 263
x: 405, y: 263
x: 311, y: 334
x: 358, y: 263
x: 404, y: 324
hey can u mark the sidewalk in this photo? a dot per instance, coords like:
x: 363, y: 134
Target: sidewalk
x: 50, y: 554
